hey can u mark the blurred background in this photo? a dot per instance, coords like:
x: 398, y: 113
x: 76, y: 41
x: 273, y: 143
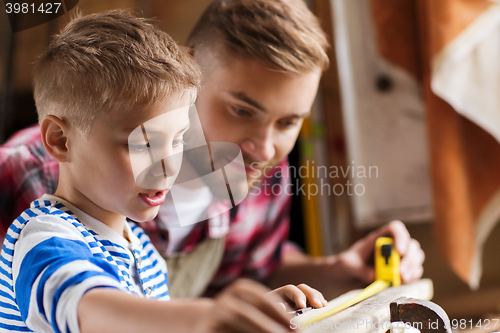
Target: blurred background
x: 405, y: 126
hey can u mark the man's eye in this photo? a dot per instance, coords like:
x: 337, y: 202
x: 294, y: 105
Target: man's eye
x: 137, y: 148
x: 179, y: 142
x: 241, y: 112
x: 288, y: 123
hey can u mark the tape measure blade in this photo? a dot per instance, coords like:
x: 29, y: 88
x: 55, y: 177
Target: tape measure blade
x: 373, y: 289
x: 368, y: 292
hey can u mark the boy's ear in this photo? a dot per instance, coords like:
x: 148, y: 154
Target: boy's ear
x: 54, y: 136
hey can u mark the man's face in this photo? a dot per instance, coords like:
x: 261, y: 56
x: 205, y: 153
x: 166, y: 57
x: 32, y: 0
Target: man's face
x: 256, y: 107
x: 105, y: 165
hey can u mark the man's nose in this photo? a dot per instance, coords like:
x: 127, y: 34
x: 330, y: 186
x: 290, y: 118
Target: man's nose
x: 260, y: 147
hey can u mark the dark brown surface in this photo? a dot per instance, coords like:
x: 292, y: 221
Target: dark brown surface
x: 397, y: 33
x: 424, y: 315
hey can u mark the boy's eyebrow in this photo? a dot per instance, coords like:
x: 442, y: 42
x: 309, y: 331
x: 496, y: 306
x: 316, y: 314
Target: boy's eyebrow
x: 245, y: 98
x: 185, y: 128
x: 154, y: 132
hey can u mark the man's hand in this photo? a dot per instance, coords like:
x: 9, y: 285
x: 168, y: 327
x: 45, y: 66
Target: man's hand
x: 355, y: 261
x: 353, y: 268
x: 245, y: 307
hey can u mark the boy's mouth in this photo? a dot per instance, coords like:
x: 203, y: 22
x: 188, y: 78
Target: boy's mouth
x: 154, y: 199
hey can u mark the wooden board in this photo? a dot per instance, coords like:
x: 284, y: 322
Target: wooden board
x: 371, y: 315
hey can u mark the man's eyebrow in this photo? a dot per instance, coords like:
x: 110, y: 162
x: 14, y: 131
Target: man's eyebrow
x: 301, y: 114
x: 243, y: 97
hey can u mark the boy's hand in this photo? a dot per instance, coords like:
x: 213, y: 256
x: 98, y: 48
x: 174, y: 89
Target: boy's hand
x: 300, y: 296
x: 246, y: 306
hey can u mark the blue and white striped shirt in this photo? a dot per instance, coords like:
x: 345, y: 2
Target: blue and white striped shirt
x: 53, y: 253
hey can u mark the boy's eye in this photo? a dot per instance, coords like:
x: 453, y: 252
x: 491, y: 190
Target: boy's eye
x: 137, y: 148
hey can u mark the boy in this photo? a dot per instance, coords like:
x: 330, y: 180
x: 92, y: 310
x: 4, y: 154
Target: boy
x: 73, y: 261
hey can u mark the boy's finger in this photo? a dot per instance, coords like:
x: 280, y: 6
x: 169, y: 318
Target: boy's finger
x: 281, y: 307
x: 253, y: 293
x: 295, y: 295
x: 241, y: 316
x: 314, y: 297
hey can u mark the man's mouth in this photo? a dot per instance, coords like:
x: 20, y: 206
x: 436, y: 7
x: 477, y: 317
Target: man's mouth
x: 154, y: 199
x: 250, y: 168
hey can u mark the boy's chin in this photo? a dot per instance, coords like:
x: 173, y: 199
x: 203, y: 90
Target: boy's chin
x: 148, y: 215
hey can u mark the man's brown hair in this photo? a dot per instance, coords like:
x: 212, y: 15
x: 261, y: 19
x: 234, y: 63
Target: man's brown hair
x: 283, y: 33
x: 109, y: 61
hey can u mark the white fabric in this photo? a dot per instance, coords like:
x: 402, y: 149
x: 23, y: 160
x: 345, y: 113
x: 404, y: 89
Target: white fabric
x: 466, y: 73
x: 191, y: 210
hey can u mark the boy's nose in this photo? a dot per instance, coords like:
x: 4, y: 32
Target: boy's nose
x: 169, y: 166
x: 166, y: 167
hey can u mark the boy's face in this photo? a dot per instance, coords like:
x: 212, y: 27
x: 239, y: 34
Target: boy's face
x: 105, y: 164
x: 260, y: 109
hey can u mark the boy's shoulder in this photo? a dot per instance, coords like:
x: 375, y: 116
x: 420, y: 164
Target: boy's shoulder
x: 46, y: 217
x: 50, y: 213
x: 47, y: 208
x: 51, y: 216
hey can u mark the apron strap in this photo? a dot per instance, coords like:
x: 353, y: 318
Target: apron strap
x: 189, y: 274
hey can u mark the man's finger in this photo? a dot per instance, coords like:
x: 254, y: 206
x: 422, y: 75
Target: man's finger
x: 401, y: 236
x: 411, y: 265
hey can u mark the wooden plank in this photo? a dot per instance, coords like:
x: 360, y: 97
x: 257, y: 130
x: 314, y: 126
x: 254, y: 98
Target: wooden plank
x: 371, y: 315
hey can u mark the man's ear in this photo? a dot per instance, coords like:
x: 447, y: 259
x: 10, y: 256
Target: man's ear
x: 54, y: 136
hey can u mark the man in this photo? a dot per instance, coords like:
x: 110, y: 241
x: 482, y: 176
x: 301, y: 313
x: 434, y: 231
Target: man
x: 262, y: 62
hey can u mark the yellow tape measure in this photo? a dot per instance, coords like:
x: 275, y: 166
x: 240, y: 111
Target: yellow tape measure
x: 387, y: 261
x: 387, y: 274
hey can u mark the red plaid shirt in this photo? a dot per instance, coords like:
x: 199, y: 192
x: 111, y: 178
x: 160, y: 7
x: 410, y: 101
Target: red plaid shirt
x: 258, y: 226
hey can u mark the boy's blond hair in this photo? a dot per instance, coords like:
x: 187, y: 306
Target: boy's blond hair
x: 283, y: 33
x: 109, y: 61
